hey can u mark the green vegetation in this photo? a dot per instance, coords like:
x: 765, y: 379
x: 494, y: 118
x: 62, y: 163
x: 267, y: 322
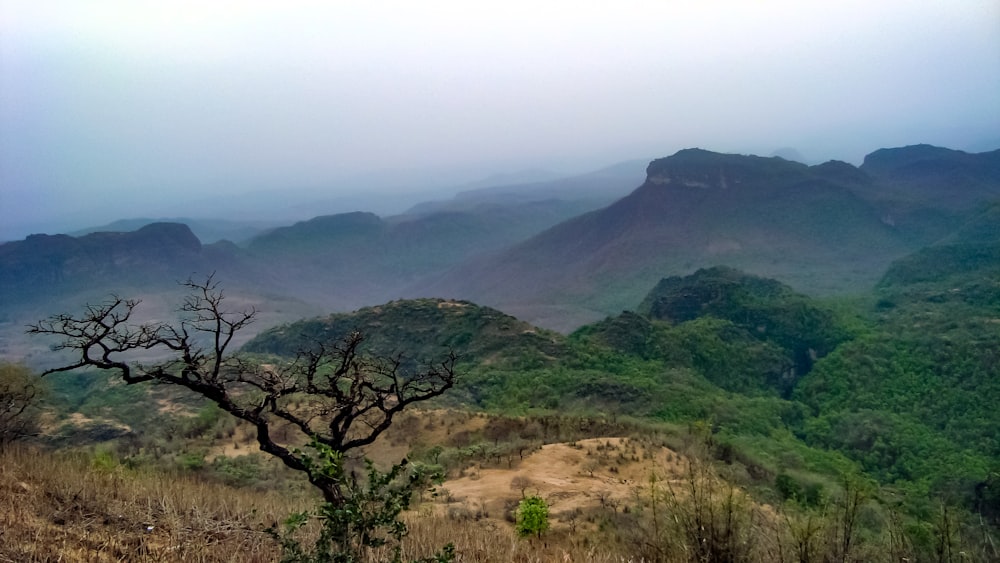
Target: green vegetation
x: 766, y: 308
x: 915, y: 401
x: 859, y: 420
x: 532, y: 517
x: 424, y: 329
x: 902, y: 387
x: 369, y: 517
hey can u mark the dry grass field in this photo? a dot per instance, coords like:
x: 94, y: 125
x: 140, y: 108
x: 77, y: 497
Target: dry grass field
x: 67, y: 508
x: 611, y: 499
x: 79, y: 506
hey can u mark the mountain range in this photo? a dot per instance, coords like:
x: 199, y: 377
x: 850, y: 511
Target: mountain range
x: 557, y: 253
x: 827, y: 229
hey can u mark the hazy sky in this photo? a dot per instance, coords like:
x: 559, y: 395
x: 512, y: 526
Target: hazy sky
x: 131, y: 105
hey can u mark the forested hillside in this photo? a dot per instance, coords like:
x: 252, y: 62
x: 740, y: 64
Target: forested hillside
x: 903, y: 384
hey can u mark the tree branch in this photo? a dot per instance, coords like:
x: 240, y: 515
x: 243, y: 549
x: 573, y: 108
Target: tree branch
x: 331, y: 392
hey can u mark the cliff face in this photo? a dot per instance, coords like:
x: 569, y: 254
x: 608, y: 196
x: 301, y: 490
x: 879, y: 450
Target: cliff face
x: 697, y: 168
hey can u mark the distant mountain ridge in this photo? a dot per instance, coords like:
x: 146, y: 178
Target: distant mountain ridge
x: 207, y: 230
x: 825, y: 228
x: 943, y: 177
x: 544, y: 252
x: 328, y: 263
x: 352, y: 259
x: 591, y: 190
x: 50, y: 263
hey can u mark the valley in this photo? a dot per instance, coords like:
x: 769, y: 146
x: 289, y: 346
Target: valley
x: 791, y: 347
x: 499, y: 282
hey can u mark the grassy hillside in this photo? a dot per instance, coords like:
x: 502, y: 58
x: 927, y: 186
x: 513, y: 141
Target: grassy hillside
x: 78, y: 507
x: 605, y: 483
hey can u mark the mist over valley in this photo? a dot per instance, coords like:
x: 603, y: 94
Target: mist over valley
x: 440, y: 282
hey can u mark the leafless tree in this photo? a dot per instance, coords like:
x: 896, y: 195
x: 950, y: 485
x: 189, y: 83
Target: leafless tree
x: 331, y: 392
x: 521, y: 483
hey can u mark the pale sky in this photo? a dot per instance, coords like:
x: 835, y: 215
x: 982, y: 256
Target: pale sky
x: 112, y: 109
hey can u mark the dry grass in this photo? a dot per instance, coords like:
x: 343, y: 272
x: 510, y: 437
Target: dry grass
x: 489, y: 541
x: 604, y: 507
x: 65, y: 508
x: 62, y: 508
x: 69, y: 507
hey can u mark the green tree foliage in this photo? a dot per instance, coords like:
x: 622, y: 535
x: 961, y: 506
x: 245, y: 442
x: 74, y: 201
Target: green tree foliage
x: 805, y: 493
x: 765, y: 308
x: 988, y: 496
x: 424, y: 328
x: 743, y: 333
x: 732, y: 358
x: 945, y: 262
x: 532, y: 517
x: 367, y: 519
x: 915, y: 400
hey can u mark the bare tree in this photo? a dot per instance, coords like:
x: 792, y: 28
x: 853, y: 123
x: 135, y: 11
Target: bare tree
x: 521, y: 483
x: 19, y: 397
x: 330, y: 392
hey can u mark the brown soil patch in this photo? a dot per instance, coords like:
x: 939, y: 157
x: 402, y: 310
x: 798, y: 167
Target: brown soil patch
x: 574, y: 478
x: 598, y: 473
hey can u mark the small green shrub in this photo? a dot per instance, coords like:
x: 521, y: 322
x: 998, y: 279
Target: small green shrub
x: 532, y: 517
x: 366, y: 517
